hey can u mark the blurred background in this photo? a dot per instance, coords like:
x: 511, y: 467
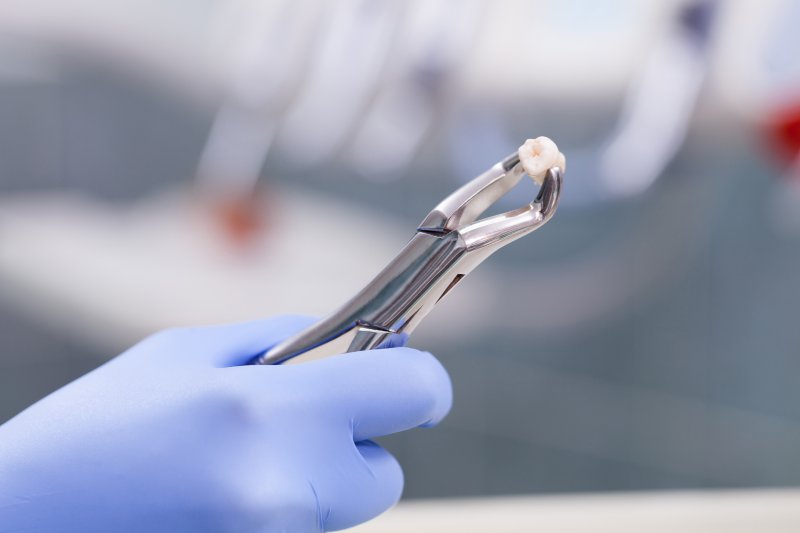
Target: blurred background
x: 175, y: 162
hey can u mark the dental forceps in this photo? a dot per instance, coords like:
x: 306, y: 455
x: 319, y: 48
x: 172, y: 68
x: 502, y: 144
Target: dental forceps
x: 449, y: 243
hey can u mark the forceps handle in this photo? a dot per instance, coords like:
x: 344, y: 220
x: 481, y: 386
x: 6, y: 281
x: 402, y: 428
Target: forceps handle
x: 395, y: 301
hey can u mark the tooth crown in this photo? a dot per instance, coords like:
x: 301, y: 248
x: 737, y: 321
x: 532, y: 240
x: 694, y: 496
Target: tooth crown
x: 538, y: 155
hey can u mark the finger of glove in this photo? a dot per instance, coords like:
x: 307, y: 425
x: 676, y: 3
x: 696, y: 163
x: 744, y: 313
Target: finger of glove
x: 396, y: 340
x: 229, y: 344
x: 382, y: 391
x: 370, y: 483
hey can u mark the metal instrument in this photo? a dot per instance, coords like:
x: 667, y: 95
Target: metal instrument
x: 448, y: 244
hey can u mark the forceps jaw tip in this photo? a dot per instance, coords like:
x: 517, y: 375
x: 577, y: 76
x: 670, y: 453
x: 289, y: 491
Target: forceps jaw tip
x: 549, y: 193
x: 510, y: 162
x: 465, y: 204
x: 459, y: 212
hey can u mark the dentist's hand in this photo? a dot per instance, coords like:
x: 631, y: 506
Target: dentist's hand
x: 175, y: 435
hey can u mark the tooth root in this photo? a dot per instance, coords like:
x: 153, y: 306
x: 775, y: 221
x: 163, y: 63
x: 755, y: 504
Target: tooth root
x: 538, y: 155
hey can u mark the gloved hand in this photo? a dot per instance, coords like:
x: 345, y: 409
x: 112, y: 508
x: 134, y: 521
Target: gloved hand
x: 173, y: 435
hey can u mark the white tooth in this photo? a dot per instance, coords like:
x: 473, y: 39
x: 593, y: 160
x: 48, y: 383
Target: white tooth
x: 537, y: 155
x: 561, y: 162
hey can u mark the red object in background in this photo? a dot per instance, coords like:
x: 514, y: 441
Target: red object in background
x: 242, y: 218
x: 783, y: 133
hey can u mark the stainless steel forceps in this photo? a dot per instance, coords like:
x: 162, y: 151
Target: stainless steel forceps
x: 448, y: 244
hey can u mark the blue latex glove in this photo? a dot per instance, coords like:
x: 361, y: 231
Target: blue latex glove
x: 174, y: 436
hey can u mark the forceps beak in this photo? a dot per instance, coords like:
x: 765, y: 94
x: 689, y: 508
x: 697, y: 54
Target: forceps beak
x: 460, y: 211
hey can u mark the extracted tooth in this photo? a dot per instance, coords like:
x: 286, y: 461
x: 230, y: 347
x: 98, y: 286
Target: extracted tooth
x: 561, y: 162
x: 538, y: 155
